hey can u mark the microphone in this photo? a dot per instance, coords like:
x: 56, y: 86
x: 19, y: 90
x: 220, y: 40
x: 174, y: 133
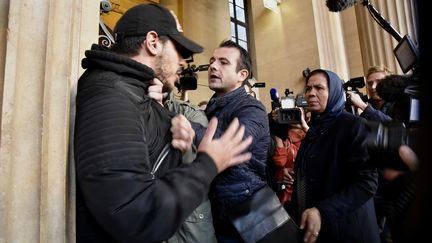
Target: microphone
x: 258, y: 85
x: 274, y: 95
x: 392, y: 87
x: 339, y: 5
x: 275, y: 98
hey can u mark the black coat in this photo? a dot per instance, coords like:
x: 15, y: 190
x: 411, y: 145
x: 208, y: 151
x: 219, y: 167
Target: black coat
x: 119, y: 133
x: 341, y: 181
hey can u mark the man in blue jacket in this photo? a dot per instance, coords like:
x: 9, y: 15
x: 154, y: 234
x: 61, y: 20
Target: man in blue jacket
x: 230, y: 67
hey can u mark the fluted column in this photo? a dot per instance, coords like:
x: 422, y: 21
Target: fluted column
x: 330, y: 41
x: 376, y: 43
x: 44, y: 42
x: 338, y: 35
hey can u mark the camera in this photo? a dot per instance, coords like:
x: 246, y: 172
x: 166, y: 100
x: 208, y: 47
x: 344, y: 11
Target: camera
x: 189, y: 78
x: 354, y: 85
x: 385, y: 138
x: 288, y: 111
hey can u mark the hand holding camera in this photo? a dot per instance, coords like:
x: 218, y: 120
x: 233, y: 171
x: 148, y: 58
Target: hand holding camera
x: 355, y: 99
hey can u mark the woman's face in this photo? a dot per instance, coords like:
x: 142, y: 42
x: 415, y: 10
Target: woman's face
x: 317, y: 93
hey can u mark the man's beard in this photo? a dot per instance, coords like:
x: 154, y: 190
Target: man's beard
x: 162, y: 73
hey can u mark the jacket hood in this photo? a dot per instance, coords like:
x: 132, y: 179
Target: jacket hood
x: 100, y: 57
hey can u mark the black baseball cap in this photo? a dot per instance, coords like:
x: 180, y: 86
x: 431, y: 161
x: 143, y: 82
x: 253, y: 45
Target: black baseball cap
x: 142, y: 18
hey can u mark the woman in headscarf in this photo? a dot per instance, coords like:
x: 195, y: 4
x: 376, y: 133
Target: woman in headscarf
x: 335, y: 179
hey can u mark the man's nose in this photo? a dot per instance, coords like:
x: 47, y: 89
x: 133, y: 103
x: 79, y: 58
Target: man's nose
x: 213, y: 66
x: 182, y: 62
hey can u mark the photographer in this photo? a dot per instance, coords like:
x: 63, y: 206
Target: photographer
x: 284, y: 154
x: 396, y: 188
x: 376, y: 109
x: 387, y: 105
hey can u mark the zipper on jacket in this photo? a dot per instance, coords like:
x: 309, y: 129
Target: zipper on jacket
x: 160, y: 159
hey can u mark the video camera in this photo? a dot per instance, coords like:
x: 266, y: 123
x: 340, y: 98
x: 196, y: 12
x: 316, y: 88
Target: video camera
x: 189, y: 78
x: 384, y: 141
x: 354, y: 85
x: 288, y: 106
x: 385, y: 138
x: 287, y: 110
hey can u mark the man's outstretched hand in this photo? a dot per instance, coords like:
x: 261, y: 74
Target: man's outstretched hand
x: 229, y: 149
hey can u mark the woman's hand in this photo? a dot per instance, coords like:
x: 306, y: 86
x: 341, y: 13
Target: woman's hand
x: 311, y: 224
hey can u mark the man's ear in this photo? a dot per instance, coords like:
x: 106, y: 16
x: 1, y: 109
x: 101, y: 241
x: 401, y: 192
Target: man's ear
x: 243, y: 74
x: 151, y: 42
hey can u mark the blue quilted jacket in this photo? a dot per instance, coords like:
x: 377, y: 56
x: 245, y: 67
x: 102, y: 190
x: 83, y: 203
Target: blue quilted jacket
x: 237, y: 183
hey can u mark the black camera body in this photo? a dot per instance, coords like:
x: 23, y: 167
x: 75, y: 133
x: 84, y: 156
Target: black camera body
x: 288, y: 108
x: 288, y: 112
x: 385, y: 138
x: 189, y: 78
x: 289, y: 116
x: 354, y: 85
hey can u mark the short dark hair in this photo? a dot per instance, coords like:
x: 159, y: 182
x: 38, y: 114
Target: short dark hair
x: 131, y: 45
x: 244, y: 61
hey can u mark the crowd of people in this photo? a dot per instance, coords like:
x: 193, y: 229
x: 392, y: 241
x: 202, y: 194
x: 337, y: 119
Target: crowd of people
x: 153, y: 168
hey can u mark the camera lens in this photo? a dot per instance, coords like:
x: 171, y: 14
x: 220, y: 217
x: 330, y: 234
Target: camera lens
x: 384, y: 141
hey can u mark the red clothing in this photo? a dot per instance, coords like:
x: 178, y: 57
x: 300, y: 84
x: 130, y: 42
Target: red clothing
x: 284, y: 157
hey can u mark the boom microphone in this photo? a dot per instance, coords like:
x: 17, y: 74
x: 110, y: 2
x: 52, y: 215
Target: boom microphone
x: 274, y: 95
x: 392, y: 87
x: 339, y: 5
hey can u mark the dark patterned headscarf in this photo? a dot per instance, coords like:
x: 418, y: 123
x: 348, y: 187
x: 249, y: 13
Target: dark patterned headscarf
x: 335, y: 104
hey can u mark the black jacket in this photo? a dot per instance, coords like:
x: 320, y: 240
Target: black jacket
x: 119, y: 133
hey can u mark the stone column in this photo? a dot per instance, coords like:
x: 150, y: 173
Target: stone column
x: 39, y: 66
x: 344, y: 43
x: 330, y: 41
x: 376, y: 43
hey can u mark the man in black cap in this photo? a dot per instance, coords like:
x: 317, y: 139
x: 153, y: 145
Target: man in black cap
x: 131, y: 184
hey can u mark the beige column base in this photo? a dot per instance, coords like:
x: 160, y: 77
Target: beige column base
x: 42, y: 45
